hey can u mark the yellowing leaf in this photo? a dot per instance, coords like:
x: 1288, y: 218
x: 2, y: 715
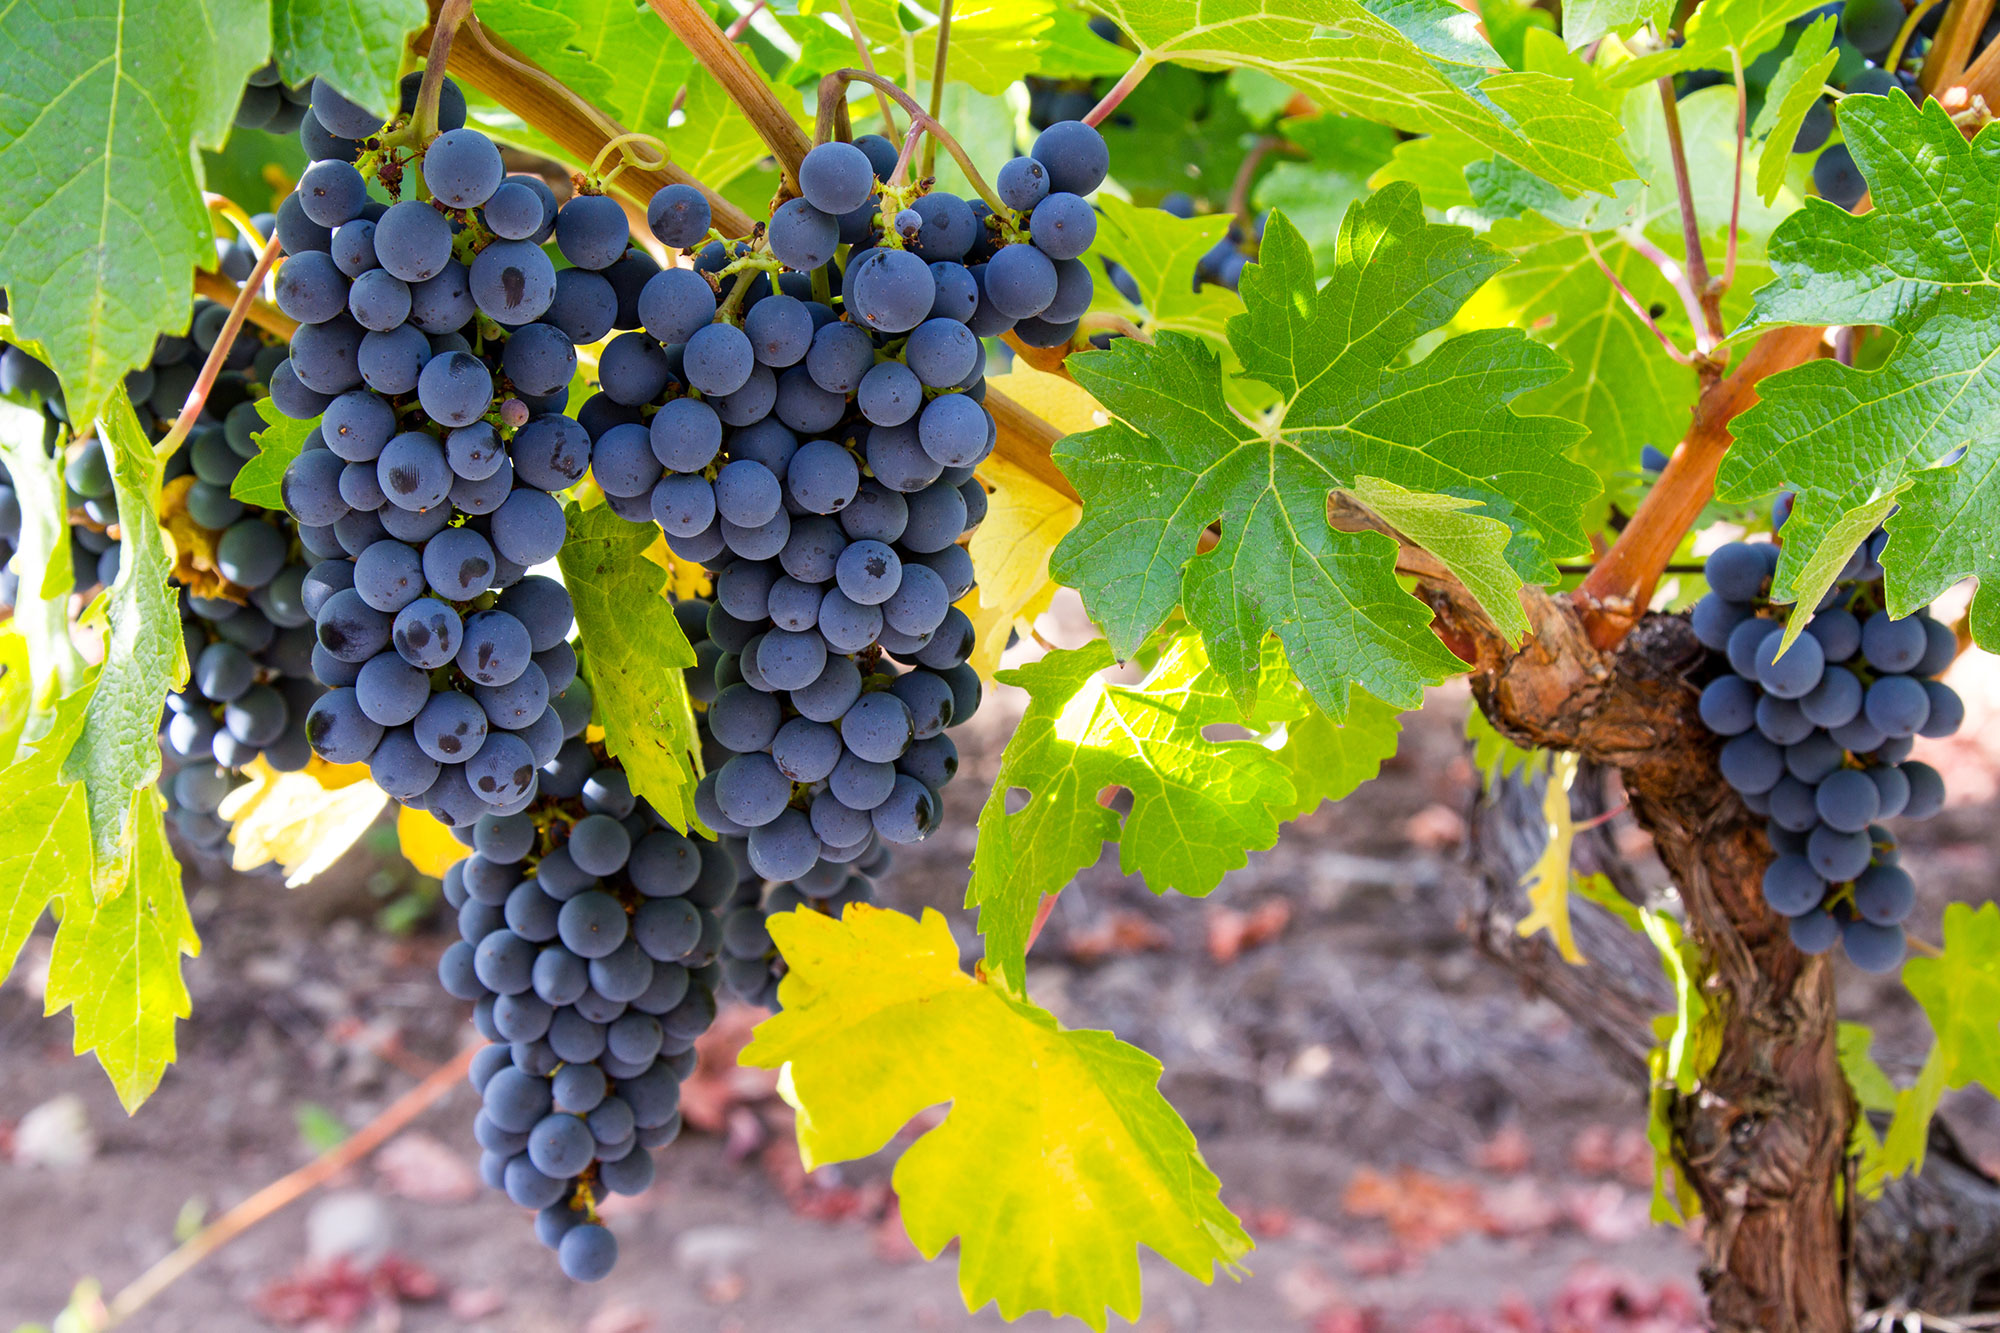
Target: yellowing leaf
x: 1025, y: 518
x: 116, y: 963
x: 427, y: 845
x: 1547, y: 881
x: 1058, y: 1157
x: 193, y: 545
x: 305, y: 821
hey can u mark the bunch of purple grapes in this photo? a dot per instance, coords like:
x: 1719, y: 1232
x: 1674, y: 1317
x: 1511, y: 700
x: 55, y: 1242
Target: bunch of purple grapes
x: 1820, y: 737
x: 587, y: 944
x: 812, y: 441
x: 751, y: 966
x: 434, y: 350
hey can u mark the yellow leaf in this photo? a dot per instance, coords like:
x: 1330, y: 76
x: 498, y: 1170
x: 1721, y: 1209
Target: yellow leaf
x: 304, y: 821
x: 1058, y: 1158
x: 427, y: 844
x: 193, y: 546
x: 1024, y: 520
x: 1547, y: 881
x: 685, y: 579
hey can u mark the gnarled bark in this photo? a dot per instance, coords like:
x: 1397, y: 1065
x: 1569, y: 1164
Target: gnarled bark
x: 1762, y: 1139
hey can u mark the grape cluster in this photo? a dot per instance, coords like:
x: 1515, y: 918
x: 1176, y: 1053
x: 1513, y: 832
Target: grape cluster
x: 818, y: 456
x: 1819, y: 739
x: 432, y: 348
x: 269, y: 104
x: 750, y: 963
x: 587, y: 943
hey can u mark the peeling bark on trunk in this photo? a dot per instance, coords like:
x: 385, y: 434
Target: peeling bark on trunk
x: 1762, y: 1141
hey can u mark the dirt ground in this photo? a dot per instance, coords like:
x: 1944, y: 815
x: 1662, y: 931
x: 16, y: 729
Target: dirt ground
x: 1415, y: 1144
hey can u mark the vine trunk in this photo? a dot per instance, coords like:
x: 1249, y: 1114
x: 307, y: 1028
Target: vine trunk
x: 1761, y: 1141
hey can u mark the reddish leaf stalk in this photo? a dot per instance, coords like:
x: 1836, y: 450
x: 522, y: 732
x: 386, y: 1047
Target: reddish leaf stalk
x: 1119, y: 92
x: 1696, y: 262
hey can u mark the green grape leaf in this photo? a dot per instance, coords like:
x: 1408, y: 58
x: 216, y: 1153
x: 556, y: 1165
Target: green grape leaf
x: 1622, y: 385
x: 614, y: 53
x: 715, y: 143
x: 145, y: 655
x: 1721, y: 34
x: 1909, y: 1131
x: 1872, y: 1088
x: 44, y: 826
x: 1177, y: 458
x: 1584, y: 21
x: 1959, y: 991
x: 1058, y: 1157
x: 633, y: 652
x: 357, y: 45
x: 1792, y: 92
x: 1315, y: 194
x: 1508, y: 23
x: 1181, y: 131
x: 1708, y: 134
x: 1472, y: 546
x: 1922, y: 430
x: 102, y: 103
x: 1070, y: 50
x: 261, y: 480
x: 116, y: 964
x: 1415, y: 65
x: 1437, y: 166
x: 1159, y: 250
x: 1262, y: 97
x: 1199, y: 806
x: 994, y: 43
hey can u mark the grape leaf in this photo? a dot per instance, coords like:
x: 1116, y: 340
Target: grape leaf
x: 1199, y: 806
x: 1584, y: 21
x: 1959, y: 991
x: 1792, y: 92
x: 1177, y: 458
x: 145, y: 655
x: 1415, y: 65
x: 1722, y: 34
x: 1179, y: 130
x: 44, y: 827
x: 1849, y: 441
x: 101, y: 105
x: 305, y: 820
x: 116, y: 961
x: 1909, y: 1132
x: 262, y: 479
x: 1472, y: 546
x: 614, y: 53
x: 357, y: 45
x: 1622, y: 386
x: 1159, y: 250
x: 1058, y: 1157
x: 633, y: 652
x: 715, y: 142
x: 1070, y: 50
x: 994, y: 43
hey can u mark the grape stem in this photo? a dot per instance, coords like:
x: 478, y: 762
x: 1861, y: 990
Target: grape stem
x: 287, y: 1189
x: 1119, y: 91
x: 1904, y: 33
x: 217, y: 355
x: 1696, y: 262
x: 834, y: 87
x: 868, y: 63
x: 722, y: 58
x: 1633, y: 303
x: 424, y: 120
x: 937, y: 82
x: 1952, y: 47
x: 1246, y: 175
